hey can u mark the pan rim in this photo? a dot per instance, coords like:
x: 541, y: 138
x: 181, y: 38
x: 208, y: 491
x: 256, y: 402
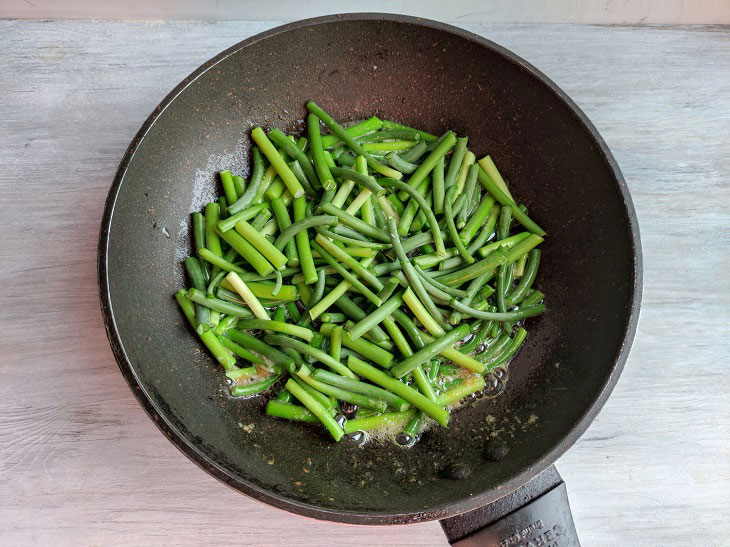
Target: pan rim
x: 356, y: 517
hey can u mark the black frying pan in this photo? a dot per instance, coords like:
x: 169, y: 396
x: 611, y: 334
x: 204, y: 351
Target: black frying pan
x: 431, y: 76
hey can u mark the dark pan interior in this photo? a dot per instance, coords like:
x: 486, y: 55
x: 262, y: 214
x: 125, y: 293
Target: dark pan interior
x: 425, y: 75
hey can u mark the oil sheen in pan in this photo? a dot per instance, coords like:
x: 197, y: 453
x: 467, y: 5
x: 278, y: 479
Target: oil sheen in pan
x: 496, y: 383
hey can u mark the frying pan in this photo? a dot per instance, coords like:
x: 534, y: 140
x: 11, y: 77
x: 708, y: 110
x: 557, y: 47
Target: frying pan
x: 432, y: 76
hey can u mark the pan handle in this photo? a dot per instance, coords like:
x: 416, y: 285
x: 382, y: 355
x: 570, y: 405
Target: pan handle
x: 536, y: 514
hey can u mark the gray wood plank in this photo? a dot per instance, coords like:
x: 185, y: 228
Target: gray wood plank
x: 674, y: 12
x: 80, y: 463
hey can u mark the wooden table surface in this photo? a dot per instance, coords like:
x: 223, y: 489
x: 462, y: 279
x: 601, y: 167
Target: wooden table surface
x: 81, y: 463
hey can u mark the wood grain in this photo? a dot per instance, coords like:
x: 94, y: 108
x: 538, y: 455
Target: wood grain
x: 603, y: 12
x: 80, y: 462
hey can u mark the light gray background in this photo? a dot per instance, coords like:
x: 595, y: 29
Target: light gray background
x: 615, y: 12
x: 80, y: 462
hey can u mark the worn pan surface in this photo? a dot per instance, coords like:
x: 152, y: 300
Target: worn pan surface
x: 431, y: 76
